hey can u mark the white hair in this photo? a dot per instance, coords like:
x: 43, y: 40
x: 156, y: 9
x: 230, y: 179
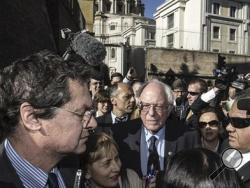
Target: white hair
x: 168, y: 92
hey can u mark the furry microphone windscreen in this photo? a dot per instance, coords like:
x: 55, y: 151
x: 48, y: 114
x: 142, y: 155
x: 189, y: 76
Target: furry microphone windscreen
x: 89, y: 48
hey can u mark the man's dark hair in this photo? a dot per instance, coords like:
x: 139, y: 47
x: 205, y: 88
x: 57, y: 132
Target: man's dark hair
x: 41, y: 80
x: 113, y: 90
x: 116, y: 74
x: 201, y: 82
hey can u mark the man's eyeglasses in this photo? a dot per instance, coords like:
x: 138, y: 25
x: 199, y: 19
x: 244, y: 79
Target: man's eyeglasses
x: 239, y: 123
x: 85, y: 117
x: 144, y: 107
x: 213, y: 123
x: 193, y: 93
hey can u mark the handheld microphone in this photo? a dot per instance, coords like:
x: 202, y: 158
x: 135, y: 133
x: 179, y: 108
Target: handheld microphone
x: 89, y: 48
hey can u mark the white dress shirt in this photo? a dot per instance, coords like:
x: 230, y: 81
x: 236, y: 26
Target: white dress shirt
x: 145, y: 142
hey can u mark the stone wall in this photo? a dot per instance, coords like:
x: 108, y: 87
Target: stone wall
x: 189, y: 62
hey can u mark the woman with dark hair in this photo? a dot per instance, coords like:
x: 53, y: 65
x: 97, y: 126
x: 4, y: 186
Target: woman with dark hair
x: 102, y: 165
x: 192, y: 169
x: 210, y: 127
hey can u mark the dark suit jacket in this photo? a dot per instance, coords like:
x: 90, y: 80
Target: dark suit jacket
x: 244, y: 174
x: 10, y: 179
x: 128, y: 137
x: 107, y: 119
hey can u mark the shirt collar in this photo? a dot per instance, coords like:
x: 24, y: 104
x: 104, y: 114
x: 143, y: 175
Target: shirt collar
x: 113, y: 116
x: 30, y: 175
x: 159, y: 135
x: 246, y: 158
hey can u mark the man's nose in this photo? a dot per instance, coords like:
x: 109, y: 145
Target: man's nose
x: 92, y: 123
x: 230, y: 128
x: 151, y: 110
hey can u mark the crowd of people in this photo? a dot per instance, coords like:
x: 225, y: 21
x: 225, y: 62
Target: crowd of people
x: 61, y: 126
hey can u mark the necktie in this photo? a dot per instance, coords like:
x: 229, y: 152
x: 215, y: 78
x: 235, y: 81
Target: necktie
x: 53, y: 181
x: 120, y: 119
x: 153, y: 159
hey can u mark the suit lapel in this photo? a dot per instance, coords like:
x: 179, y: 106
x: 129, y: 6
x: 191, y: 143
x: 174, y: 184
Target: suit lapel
x: 170, y: 149
x: 244, y: 172
x: 108, y: 118
x: 8, y: 174
x: 68, y: 168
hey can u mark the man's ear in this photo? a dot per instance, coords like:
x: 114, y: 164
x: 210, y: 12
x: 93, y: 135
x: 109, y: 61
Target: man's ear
x: 27, y: 115
x: 113, y: 100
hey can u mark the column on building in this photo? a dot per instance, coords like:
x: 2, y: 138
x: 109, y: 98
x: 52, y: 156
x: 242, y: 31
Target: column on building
x: 100, y: 7
x: 113, y: 9
x: 127, y: 7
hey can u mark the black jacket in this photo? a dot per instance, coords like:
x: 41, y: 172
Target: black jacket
x: 10, y: 179
x: 128, y: 138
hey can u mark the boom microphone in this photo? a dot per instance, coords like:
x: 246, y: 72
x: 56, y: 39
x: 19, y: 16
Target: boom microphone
x: 244, y: 104
x: 89, y: 48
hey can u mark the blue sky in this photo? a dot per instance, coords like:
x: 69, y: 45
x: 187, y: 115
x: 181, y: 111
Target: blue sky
x: 150, y: 6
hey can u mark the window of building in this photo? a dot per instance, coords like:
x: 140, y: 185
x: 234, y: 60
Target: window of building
x: 216, y: 50
x: 216, y: 32
x: 112, y: 27
x: 151, y: 35
x: 232, y: 34
x: 216, y: 8
x: 108, y: 6
x: 170, y: 41
x: 113, y: 53
x: 233, y: 12
x: 231, y: 51
x: 170, y: 21
x: 120, y: 7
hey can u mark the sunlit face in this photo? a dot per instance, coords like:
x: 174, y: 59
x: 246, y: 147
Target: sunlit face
x: 209, y: 132
x: 239, y: 138
x: 124, y: 101
x: 193, y: 93
x: 116, y: 80
x: 66, y: 131
x: 155, y: 117
x: 103, y: 107
x: 105, y: 172
x: 232, y: 92
x: 95, y: 86
x: 178, y: 92
x: 136, y: 87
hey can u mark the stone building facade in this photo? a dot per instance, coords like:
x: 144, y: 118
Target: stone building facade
x: 120, y: 24
x: 208, y: 25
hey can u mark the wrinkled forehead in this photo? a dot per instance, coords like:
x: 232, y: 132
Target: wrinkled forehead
x: 153, y: 93
x: 195, y: 87
x: 235, y: 112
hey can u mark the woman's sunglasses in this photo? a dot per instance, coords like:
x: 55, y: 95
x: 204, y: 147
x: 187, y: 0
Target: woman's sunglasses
x: 213, y: 123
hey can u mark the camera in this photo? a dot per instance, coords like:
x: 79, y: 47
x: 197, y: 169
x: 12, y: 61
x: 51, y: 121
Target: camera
x: 240, y: 83
x: 228, y: 75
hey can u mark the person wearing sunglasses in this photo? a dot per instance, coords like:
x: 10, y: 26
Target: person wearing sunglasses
x: 211, y: 129
x: 195, y: 88
x: 239, y: 134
